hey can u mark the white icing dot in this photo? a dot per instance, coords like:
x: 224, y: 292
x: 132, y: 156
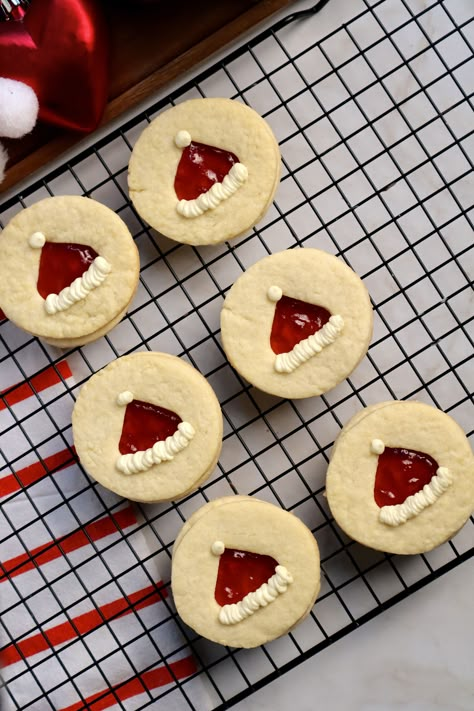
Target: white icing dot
x: 37, y: 240
x: 377, y: 446
x: 217, y: 548
x: 182, y: 139
x: 124, y: 398
x: 274, y: 293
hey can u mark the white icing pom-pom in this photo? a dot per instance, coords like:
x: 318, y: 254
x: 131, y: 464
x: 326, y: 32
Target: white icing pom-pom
x: 37, y: 240
x: 182, y: 139
x: 377, y: 446
x: 217, y: 548
x: 18, y: 108
x: 274, y: 293
x: 3, y: 161
x: 124, y: 398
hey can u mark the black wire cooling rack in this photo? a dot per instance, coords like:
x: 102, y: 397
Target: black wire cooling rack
x: 371, y: 104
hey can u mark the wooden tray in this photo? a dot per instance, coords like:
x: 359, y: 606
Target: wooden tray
x: 151, y: 44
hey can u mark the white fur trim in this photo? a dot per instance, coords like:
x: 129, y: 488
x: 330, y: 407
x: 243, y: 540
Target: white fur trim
x: 18, y: 108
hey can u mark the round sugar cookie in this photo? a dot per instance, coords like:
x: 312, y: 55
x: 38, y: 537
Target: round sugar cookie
x: 83, y: 340
x: 204, y: 171
x: 148, y: 427
x: 69, y: 269
x: 296, y: 323
x: 401, y: 477
x: 244, y: 571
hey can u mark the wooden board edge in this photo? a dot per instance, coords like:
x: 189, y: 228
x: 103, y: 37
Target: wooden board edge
x: 253, y: 17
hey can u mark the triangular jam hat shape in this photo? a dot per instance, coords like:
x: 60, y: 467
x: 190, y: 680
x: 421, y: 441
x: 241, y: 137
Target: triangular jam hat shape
x: 61, y: 263
x: 401, y: 473
x: 241, y: 572
x: 293, y: 321
x: 200, y: 167
x: 144, y: 424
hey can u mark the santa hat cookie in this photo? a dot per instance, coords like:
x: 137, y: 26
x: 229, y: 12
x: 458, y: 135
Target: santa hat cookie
x: 204, y: 171
x: 401, y: 477
x: 68, y: 270
x: 296, y: 323
x: 244, y: 571
x: 148, y: 427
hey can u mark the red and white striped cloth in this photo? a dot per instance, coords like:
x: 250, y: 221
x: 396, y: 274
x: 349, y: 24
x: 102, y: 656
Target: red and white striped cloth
x: 86, y: 622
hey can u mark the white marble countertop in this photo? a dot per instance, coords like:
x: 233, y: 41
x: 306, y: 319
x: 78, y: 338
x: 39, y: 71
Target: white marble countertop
x: 416, y: 656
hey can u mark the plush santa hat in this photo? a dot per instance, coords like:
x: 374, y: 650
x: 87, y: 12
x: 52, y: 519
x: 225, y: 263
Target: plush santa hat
x: 18, y: 113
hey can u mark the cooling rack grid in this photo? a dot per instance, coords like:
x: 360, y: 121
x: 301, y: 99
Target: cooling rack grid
x: 372, y: 105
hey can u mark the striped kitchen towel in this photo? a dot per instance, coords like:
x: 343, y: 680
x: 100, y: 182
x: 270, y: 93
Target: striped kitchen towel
x: 87, y: 620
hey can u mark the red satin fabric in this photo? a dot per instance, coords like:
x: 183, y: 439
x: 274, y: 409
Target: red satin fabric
x: 60, y: 49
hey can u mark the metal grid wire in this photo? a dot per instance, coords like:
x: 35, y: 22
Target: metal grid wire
x: 375, y: 126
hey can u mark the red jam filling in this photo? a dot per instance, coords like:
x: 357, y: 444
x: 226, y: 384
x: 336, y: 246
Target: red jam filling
x: 295, y: 320
x: 199, y: 168
x: 60, y: 264
x: 401, y: 473
x: 240, y: 573
x: 144, y: 424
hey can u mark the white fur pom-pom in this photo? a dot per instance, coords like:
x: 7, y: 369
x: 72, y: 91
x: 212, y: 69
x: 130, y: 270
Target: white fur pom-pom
x: 18, y: 108
x: 3, y: 162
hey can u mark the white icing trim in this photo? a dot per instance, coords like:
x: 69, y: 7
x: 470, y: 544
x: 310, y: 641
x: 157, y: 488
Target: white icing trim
x: 80, y: 287
x: 124, y: 398
x: 414, y: 504
x: 266, y: 593
x: 37, y: 240
x: 308, y: 347
x: 274, y: 293
x: 163, y: 450
x: 218, y: 192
